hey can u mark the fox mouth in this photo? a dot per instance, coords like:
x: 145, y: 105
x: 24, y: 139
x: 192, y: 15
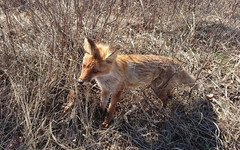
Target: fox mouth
x: 82, y: 82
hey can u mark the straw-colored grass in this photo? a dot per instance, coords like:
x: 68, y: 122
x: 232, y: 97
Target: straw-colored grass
x: 43, y: 107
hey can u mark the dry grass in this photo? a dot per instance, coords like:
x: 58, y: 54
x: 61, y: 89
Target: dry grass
x: 41, y: 53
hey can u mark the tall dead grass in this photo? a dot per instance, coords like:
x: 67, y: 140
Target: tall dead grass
x: 43, y: 107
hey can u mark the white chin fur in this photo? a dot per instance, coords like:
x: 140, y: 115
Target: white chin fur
x: 85, y: 83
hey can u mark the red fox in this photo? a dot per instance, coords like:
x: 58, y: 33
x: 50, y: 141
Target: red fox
x: 114, y: 72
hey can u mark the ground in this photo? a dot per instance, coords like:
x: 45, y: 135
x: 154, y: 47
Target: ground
x: 42, y: 106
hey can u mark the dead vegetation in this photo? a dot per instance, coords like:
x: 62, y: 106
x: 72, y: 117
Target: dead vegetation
x: 43, y: 107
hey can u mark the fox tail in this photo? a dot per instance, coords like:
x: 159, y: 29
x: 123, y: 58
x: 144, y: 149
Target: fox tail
x: 188, y: 79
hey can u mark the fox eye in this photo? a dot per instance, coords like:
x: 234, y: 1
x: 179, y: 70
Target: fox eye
x: 84, y: 66
x: 95, y: 71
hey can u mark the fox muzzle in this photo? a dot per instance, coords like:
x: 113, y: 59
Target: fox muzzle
x: 80, y: 81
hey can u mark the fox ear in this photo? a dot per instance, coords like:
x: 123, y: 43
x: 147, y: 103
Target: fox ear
x: 89, y: 46
x: 114, y: 50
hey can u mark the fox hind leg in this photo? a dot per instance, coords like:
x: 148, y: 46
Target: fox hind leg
x: 162, y: 92
x: 163, y: 95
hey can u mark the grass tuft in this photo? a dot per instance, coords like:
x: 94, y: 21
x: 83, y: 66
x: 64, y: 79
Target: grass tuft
x: 43, y: 107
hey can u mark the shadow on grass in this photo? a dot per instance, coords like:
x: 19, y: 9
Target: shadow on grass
x: 179, y: 126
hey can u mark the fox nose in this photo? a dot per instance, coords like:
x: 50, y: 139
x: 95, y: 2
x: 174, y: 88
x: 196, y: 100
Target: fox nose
x: 80, y: 81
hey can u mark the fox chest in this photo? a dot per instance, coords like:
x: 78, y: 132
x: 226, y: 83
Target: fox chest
x: 108, y: 82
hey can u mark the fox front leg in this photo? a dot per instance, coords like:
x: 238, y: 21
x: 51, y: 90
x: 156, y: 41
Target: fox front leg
x: 105, y: 95
x: 111, y: 109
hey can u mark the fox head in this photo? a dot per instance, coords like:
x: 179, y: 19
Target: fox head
x: 97, y: 61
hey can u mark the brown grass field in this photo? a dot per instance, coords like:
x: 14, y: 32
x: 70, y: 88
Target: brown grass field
x: 42, y: 106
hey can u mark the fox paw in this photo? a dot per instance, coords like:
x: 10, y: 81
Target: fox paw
x: 105, y: 124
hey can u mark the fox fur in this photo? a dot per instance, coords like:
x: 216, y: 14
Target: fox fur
x: 114, y: 72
